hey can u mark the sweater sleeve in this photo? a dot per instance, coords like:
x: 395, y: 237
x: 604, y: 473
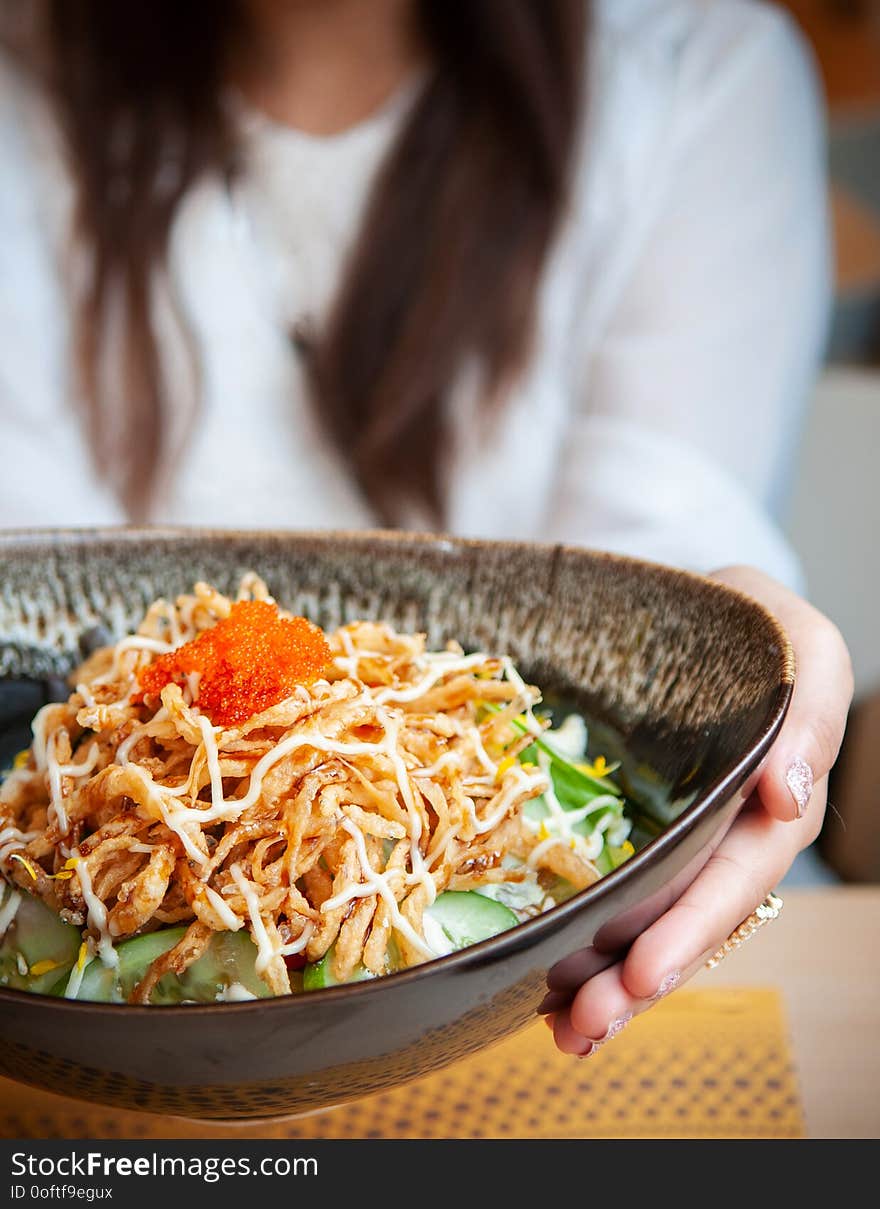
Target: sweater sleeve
x: 689, y: 409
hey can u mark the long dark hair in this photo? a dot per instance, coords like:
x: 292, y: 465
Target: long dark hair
x: 448, y: 257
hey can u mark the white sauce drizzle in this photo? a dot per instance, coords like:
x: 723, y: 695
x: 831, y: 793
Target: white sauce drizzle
x: 97, y: 913
x: 533, y: 726
x: 11, y: 840
x: 444, y: 664
x: 227, y: 811
x: 164, y: 811
x: 56, y: 771
x: 350, y: 661
x: 545, y: 845
x: 133, y: 642
x: 139, y: 732
x: 38, y: 729
x: 212, y: 755
x: 560, y: 823
x: 420, y: 871
x: 520, y: 781
x: 265, y: 949
x: 455, y: 759
x: 375, y: 883
x: 297, y: 946
x: 56, y: 809
x: 140, y: 642
x: 232, y: 921
x: 83, y: 769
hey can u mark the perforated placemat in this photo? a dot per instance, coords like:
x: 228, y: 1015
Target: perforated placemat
x: 703, y: 1064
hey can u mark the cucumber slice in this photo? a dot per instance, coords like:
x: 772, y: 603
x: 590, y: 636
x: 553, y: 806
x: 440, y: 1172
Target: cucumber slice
x: 36, y: 938
x: 113, y: 984
x: 229, y: 959
x: 465, y: 916
x: 228, y: 962
x: 468, y: 917
x: 318, y: 974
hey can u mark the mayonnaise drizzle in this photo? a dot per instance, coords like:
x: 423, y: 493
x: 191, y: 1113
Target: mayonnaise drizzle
x: 56, y: 771
x: 375, y: 883
x: 349, y: 662
x: 11, y: 840
x: 133, y: 642
x: 38, y: 729
x: 520, y: 781
x: 227, y: 811
x: 212, y: 755
x: 420, y: 871
x: 455, y: 759
x: 297, y: 946
x: 533, y: 726
x: 97, y: 913
x: 140, y: 642
x: 223, y: 909
x: 560, y: 823
x: 443, y: 663
x: 141, y: 731
x: 265, y: 949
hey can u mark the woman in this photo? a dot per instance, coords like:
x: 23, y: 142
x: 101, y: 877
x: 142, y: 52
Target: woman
x: 516, y: 268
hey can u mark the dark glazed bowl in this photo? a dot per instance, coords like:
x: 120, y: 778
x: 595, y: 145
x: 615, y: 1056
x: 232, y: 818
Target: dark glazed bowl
x: 691, y: 679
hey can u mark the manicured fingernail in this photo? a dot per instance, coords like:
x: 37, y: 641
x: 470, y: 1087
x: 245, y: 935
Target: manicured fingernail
x: 615, y: 1027
x: 618, y: 1025
x: 799, y: 779
x: 669, y: 983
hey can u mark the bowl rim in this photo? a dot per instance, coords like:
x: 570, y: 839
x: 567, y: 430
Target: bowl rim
x: 526, y: 933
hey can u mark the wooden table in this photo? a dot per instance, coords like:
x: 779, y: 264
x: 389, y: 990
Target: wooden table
x: 822, y: 955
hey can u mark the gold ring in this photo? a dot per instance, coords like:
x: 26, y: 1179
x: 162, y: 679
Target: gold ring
x: 769, y: 909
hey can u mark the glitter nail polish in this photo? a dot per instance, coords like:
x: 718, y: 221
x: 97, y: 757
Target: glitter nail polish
x: 799, y: 779
x: 615, y: 1027
x: 669, y: 983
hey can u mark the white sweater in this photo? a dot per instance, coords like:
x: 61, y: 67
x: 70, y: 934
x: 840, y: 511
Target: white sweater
x: 680, y: 323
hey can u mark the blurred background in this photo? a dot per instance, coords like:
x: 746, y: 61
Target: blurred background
x: 834, y: 517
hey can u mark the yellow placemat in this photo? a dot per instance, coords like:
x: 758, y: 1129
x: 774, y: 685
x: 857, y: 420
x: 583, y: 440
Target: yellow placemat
x: 703, y: 1064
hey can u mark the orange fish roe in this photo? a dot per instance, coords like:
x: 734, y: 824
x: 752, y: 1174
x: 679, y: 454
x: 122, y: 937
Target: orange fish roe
x: 246, y: 663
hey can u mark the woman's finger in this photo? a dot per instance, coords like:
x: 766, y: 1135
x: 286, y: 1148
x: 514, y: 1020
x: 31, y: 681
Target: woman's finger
x: 751, y: 860
x: 606, y: 1008
x: 814, y: 725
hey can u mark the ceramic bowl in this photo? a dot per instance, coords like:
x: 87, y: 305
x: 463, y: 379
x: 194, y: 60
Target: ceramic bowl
x: 686, y: 679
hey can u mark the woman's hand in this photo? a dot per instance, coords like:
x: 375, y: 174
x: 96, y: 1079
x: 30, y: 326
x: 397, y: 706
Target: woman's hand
x: 782, y: 816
